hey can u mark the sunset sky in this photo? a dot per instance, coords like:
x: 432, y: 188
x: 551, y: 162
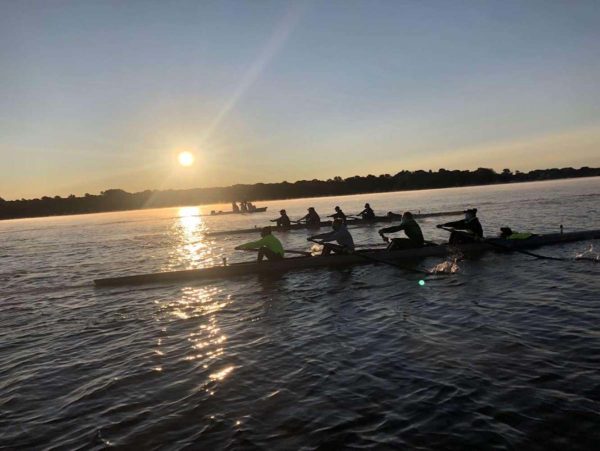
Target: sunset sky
x: 107, y: 94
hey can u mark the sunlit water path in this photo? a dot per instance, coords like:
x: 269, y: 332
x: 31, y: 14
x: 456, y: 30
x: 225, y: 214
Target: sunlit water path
x: 505, y: 354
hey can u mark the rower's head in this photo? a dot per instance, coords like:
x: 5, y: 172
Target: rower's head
x: 282, y: 212
x: 265, y: 231
x: 470, y: 213
x: 338, y: 208
x: 311, y: 209
x: 337, y: 223
x: 407, y: 216
x: 367, y: 206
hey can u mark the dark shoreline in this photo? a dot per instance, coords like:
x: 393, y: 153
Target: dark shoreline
x: 115, y: 200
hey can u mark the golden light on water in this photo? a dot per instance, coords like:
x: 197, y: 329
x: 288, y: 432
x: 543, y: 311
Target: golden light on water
x: 185, y: 159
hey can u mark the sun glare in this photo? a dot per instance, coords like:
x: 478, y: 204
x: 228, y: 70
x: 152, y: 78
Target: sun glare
x: 185, y: 159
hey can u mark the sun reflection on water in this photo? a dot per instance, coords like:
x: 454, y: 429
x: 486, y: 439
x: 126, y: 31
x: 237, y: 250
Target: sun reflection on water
x: 197, y: 310
x: 191, y: 250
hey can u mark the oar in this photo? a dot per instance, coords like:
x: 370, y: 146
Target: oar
x: 509, y: 248
x: 379, y: 260
x: 287, y: 251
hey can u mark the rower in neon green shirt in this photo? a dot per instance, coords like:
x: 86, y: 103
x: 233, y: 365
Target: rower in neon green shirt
x: 268, y: 246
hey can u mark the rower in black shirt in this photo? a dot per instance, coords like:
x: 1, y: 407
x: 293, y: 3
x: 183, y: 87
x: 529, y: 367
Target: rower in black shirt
x: 471, y: 227
x: 339, y: 214
x: 367, y: 213
x: 412, y: 231
x: 283, y: 221
x: 312, y: 219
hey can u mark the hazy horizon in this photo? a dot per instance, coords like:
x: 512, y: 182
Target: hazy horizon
x: 100, y: 95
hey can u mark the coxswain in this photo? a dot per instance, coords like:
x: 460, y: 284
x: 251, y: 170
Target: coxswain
x: 470, y: 227
x: 508, y: 234
x: 234, y: 207
x: 339, y: 214
x: 367, y: 213
x: 412, y: 231
x: 283, y: 220
x: 312, y: 219
x: 268, y: 246
x: 340, y: 234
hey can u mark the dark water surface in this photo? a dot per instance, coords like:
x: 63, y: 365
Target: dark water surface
x: 505, y: 354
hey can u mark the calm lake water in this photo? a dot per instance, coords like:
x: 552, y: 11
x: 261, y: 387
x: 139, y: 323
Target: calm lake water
x: 505, y: 354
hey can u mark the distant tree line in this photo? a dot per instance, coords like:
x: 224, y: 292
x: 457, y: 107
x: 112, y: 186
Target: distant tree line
x: 117, y: 199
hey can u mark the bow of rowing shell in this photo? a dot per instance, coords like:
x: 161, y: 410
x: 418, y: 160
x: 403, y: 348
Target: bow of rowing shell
x: 298, y: 263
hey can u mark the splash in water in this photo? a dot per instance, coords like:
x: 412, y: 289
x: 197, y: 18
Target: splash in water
x: 447, y: 267
x: 590, y: 254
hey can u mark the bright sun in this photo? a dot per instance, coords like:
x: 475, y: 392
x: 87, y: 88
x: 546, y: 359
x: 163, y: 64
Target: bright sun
x: 185, y: 159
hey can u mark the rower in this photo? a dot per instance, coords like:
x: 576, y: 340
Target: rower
x: 268, y: 246
x: 244, y: 206
x: 339, y: 214
x: 345, y: 243
x: 470, y: 226
x: 412, y: 231
x: 234, y: 207
x: 312, y: 219
x: 368, y: 213
x: 283, y: 220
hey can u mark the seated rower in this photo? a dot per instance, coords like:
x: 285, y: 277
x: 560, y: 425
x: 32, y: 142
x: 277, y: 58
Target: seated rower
x: 312, y: 219
x: 367, y: 213
x: 283, y: 221
x: 268, y: 246
x: 339, y: 214
x: 508, y: 234
x: 412, y: 231
x: 244, y: 206
x: 472, y: 230
x: 234, y: 207
x: 345, y: 243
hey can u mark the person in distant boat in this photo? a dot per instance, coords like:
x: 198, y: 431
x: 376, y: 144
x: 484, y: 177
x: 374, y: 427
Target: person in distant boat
x: 339, y: 214
x: 508, y: 234
x: 312, y: 219
x: 244, y: 206
x: 470, y: 226
x: 340, y: 234
x: 251, y: 207
x: 268, y: 246
x: 283, y: 220
x: 367, y: 213
x: 412, y: 231
x: 234, y: 207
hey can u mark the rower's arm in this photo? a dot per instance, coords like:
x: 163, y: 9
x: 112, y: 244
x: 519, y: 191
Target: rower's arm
x: 392, y: 229
x: 252, y: 245
x: 329, y: 236
x: 456, y: 224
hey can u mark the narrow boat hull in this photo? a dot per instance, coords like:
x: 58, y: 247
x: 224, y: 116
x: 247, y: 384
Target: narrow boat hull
x: 221, y: 213
x: 370, y: 256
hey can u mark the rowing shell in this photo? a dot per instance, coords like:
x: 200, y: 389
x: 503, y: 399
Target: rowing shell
x: 299, y: 263
x: 351, y: 222
x: 220, y: 213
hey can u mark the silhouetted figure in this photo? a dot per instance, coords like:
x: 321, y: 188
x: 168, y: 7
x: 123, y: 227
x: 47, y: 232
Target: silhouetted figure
x: 283, y: 221
x: 340, y: 234
x: 470, y: 226
x: 412, y: 231
x: 367, y: 213
x: 235, y: 207
x: 312, y: 219
x: 339, y: 214
x: 268, y: 246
